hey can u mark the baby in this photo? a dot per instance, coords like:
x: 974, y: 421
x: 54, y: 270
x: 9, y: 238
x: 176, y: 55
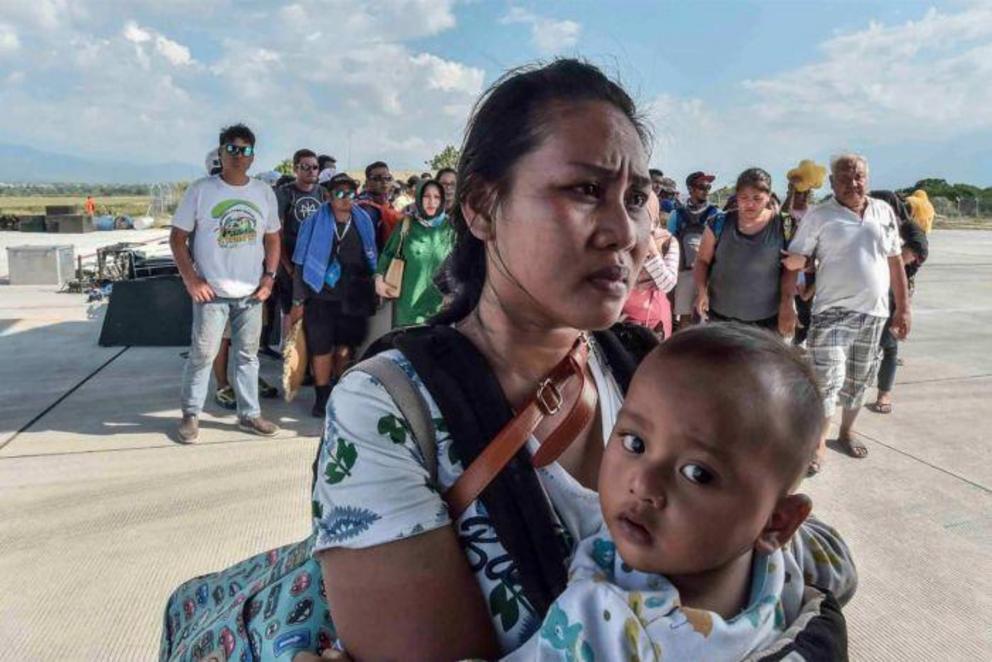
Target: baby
x: 697, y: 558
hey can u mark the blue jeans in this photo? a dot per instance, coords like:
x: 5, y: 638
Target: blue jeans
x: 209, y: 320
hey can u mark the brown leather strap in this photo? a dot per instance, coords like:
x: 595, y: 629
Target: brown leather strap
x: 546, y: 401
x: 570, y: 428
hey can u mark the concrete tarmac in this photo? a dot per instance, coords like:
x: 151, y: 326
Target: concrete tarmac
x: 103, y: 515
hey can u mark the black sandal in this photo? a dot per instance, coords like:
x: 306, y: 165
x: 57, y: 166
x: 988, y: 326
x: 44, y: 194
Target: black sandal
x: 854, y: 448
x: 880, y: 407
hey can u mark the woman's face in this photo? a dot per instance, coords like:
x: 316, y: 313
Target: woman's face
x: 431, y: 200
x: 751, y: 202
x: 573, y: 229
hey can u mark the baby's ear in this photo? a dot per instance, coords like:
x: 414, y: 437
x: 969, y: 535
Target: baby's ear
x: 790, y: 512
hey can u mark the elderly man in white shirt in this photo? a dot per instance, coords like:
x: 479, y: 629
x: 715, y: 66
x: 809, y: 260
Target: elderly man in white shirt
x: 854, y: 240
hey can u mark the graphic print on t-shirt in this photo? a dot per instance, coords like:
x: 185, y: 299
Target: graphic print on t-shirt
x: 305, y: 207
x: 237, y: 222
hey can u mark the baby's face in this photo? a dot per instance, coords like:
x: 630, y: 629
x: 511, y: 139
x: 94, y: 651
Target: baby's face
x: 683, y: 486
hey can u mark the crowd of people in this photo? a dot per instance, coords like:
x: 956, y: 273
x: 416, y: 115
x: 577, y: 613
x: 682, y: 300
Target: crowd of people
x: 535, y: 492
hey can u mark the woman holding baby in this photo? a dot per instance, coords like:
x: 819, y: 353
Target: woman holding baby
x: 551, y: 232
x: 542, y: 491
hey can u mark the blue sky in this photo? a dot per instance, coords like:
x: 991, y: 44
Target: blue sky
x: 726, y: 85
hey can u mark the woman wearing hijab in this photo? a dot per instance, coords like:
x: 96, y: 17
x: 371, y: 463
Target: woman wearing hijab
x: 332, y: 285
x: 422, y: 241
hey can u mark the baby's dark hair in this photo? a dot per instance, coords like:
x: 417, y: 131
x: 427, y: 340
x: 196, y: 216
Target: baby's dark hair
x: 774, y: 374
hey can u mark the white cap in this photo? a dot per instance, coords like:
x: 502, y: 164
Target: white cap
x: 213, y: 160
x: 325, y: 175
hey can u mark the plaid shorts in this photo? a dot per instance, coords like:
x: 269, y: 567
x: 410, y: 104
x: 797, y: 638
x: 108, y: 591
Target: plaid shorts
x: 846, y: 354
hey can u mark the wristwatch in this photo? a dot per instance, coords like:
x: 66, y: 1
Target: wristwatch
x: 270, y: 274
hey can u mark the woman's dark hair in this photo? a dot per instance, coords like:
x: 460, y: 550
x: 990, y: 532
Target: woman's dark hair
x: 777, y: 372
x: 507, y: 123
x: 898, y: 205
x: 229, y: 133
x: 756, y: 178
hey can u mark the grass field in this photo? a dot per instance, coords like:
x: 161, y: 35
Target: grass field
x: 137, y: 205
x: 130, y: 205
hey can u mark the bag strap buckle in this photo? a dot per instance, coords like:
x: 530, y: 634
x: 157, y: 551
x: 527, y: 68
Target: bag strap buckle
x: 549, y: 398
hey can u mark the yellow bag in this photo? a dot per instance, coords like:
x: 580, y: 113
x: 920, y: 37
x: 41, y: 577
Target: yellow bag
x: 294, y: 364
x: 394, y: 275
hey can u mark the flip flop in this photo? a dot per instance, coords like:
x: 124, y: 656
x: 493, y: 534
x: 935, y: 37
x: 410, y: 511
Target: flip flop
x: 881, y: 407
x: 854, y: 448
x: 813, y: 468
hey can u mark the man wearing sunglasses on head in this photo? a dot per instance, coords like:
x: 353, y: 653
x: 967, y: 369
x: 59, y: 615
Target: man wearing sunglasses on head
x: 298, y: 200
x: 237, y: 229
x: 374, y: 200
x: 687, y: 224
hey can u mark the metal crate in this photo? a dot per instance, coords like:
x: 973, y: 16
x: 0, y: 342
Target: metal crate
x: 41, y: 265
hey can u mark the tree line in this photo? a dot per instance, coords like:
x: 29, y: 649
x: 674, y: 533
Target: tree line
x: 73, y: 188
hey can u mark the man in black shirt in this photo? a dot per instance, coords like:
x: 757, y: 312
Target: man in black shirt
x: 298, y: 200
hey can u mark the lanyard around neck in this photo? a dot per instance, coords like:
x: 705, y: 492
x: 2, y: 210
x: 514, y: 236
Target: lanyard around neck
x: 341, y: 235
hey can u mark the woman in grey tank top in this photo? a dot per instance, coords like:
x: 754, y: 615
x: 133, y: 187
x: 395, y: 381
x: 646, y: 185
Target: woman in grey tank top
x: 738, y: 271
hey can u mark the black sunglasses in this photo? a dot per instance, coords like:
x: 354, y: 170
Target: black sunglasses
x: 344, y: 194
x: 381, y: 178
x: 244, y: 150
x: 307, y: 168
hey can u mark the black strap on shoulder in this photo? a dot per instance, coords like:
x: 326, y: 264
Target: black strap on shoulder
x: 475, y: 409
x: 824, y: 639
x: 625, y: 346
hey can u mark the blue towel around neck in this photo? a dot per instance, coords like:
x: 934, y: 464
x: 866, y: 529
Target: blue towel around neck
x: 315, y: 243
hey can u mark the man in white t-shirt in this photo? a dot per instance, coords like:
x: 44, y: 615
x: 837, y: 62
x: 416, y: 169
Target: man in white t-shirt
x: 854, y: 240
x: 237, y: 230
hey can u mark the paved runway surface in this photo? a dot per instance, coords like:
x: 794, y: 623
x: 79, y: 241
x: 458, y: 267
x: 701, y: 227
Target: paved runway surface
x: 103, y: 515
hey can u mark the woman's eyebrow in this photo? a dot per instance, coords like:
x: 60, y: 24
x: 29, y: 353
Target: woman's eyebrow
x: 639, y: 180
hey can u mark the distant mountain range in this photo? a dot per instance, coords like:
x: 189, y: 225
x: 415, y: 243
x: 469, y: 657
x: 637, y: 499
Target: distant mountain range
x: 22, y: 164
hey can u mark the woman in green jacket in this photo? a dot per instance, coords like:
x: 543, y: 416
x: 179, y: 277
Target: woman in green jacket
x: 422, y: 240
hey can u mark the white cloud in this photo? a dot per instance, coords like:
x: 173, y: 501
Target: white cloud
x: 357, y: 89
x: 135, y: 34
x: 446, y: 75
x: 935, y: 71
x: 550, y: 36
x: 173, y: 51
x: 924, y: 80
x: 46, y: 14
x: 9, y: 41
